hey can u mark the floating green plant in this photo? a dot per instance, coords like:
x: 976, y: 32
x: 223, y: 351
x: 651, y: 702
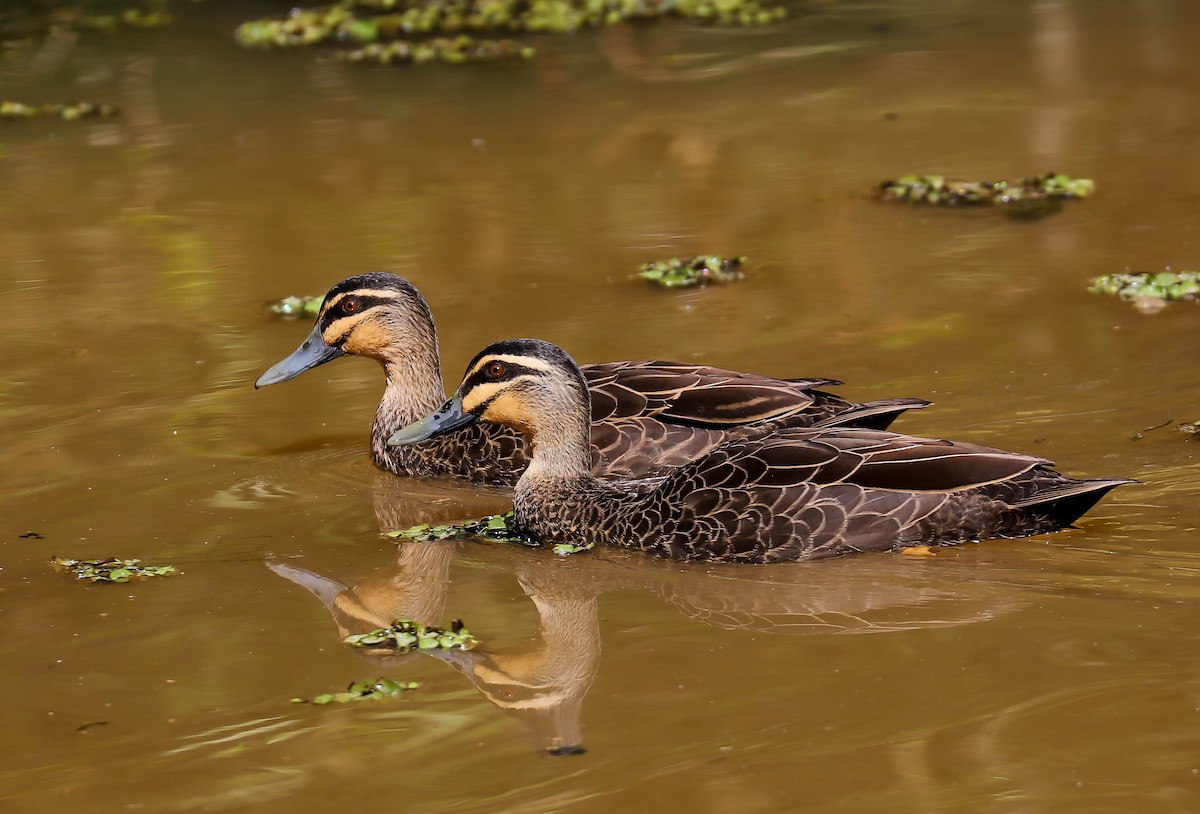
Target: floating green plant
x: 339, y: 22
x: 567, y: 549
x: 131, y: 17
x: 1148, y: 290
x: 24, y: 25
x: 444, y: 49
x: 404, y: 635
x: 296, y: 307
x: 111, y: 570
x: 377, y: 689
x: 491, y: 527
x: 1026, y: 197
x: 66, y: 112
x: 692, y: 271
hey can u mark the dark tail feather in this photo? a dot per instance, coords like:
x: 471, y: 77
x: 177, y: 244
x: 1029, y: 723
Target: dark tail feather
x: 1067, y: 503
x: 873, y: 415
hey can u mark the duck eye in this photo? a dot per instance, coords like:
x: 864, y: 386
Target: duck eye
x: 351, y: 305
x: 495, y: 370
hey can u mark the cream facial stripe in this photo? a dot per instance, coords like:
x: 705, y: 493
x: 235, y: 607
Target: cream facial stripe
x: 530, y: 362
x: 484, y: 392
x: 340, y: 327
x: 366, y: 293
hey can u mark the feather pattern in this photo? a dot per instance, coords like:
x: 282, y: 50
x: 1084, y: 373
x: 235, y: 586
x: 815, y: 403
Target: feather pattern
x: 786, y: 495
x: 647, y: 417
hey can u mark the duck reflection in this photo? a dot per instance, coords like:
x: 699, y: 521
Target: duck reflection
x: 543, y: 681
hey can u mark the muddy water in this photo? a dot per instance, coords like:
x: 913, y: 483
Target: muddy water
x: 1053, y: 674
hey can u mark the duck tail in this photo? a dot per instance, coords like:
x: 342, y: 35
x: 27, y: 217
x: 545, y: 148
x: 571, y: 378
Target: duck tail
x: 873, y: 415
x: 1067, y: 502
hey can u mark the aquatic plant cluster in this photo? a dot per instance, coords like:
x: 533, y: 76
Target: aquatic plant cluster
x: 111, y: 570
x: 343, y: 23
x: 24, y: 25
x: 339, y: 22
x: 130, y: 17
x: 377, y: 689
x: 404, y: 635
x: 1148, y: 288
x: 296, y: 307
x: 692, y: 271
x: 1025, y: 197
x: 67, y: 112
x: 445, y: 49
x: 567, y: 549
x: 491, y: 527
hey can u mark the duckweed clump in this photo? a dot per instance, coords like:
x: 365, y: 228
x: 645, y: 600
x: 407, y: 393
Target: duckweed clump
x: 692, y: 271
x: 25, y: 26
x: 404, y: 635
x: 1150, y: 291
x: 567, y: 549
x: 1026, y: 197
x: 111, y: 570
x: 454, y: 50
x: 378, y: 689
x: 492, y: 527
x: 70, y: 111
x: 296, y: 307
x: 339, y: 22
x: 131, y: 17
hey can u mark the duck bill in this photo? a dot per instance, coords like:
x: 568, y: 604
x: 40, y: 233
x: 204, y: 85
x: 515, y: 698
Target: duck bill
x: 312, y: 352
x: 449, y: 417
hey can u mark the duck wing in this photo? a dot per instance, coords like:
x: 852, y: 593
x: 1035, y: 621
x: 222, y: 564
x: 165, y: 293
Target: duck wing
x: 714, y: 398
x: 805, y: 494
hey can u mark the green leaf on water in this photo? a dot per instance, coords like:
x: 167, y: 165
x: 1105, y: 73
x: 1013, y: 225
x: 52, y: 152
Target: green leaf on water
x: 491, y: 527
x: 1149, y: 291
x: 110, y: 570
x: 404, y: 635
x: 567, y: 549
x: 295, y: 307
x: 1024, y: 198
x: 692, y: 271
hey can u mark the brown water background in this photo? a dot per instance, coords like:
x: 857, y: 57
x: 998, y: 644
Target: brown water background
x: 1054, y: 674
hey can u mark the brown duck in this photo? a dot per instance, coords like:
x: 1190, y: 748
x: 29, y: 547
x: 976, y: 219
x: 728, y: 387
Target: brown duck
x: 786, y: 495
x: 646, y: 417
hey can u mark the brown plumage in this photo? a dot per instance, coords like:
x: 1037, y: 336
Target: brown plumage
x: 787, y: 495
x: 647, y: 417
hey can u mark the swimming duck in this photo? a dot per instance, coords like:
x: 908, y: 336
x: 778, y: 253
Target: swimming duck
x: 790, y: 494
x: 645, y: 416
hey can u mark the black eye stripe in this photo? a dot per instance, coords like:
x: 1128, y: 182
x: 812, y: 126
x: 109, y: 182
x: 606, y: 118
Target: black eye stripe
x: 332, y: 313
x: 512, y: 370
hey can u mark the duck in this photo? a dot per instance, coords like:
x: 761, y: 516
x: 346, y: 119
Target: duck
x: 789, y: 494
x: 646, y: 416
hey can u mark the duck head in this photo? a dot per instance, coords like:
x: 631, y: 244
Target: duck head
x: 378, y: 315
x: 529, y: 385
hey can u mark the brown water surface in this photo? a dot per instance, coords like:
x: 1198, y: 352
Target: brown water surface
x: 1054, y: 674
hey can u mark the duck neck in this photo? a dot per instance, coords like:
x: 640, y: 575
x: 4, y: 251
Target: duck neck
x: 561, y: 449
x: 556, y: 497
x: 414, y: 386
